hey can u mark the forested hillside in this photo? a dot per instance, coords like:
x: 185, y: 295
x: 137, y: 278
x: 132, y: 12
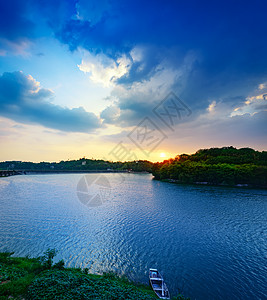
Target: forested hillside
x: 217, y: 166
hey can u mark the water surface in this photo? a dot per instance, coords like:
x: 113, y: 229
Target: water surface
x: 209, y: 242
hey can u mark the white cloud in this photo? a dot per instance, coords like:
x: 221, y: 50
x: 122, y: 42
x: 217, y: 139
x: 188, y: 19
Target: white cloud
x: 211, y: 107
x: 20, y: 47
x: 138, y: 99
x: 104, y: 70
x: 137, y: 54
x: 262, y: 86
x: 252, y: 105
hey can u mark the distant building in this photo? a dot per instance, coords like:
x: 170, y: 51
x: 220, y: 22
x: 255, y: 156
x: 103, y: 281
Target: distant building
x: 83, y: 163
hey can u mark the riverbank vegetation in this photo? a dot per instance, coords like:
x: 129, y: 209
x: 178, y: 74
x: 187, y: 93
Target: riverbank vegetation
x: 40, y: 278
x: 82, y: 164
x: 216, y: 166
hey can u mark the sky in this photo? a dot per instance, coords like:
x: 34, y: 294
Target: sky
x: 127, y: 80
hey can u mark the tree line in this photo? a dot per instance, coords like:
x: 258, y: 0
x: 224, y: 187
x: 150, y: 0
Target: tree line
x: 82, y: 164
x: 216, y: 166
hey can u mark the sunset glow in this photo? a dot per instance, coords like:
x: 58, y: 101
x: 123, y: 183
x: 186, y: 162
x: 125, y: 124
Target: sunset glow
x: 77, y: 78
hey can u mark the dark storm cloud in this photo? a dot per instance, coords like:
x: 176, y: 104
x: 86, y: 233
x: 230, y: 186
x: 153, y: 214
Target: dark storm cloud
x: 22, y: 100
x: 228, y: 37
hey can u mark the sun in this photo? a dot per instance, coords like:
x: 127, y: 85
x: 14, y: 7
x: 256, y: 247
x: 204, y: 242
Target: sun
x: 162, y: 154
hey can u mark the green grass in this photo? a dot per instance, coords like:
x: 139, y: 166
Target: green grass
x: 72, y: 284
x: 39, y: 278
x: 16, y: 274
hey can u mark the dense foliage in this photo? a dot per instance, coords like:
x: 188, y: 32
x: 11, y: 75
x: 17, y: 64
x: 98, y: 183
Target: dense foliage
x: 40, y: 278
x: 16, y: 274
x: 83, y: 164
x: 217, y: 166
x: 73, y: 284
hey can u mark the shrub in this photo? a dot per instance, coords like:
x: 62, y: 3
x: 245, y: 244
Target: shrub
x: 72, y: 284
x: 47, y: 259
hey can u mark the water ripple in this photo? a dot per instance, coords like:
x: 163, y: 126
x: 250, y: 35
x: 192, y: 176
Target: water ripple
x: 208, y: 242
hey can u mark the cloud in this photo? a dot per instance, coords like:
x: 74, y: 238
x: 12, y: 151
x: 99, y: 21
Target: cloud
x: 211, y: 107
x: 217, y: 130
x: 206, y: 53
x: 146, y: 61
x: 23, y: 100
x: 262, y: 86
x: 132, y: 102
x: 254, y: 103
x: 227, y: 41
x: 17, y: 47
x: 110, y: 114
x: 103, y: 69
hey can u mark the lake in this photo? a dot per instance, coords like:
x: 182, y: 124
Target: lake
x: 208, y: 242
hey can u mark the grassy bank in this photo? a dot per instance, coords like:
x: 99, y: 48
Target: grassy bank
x: 39, y: 278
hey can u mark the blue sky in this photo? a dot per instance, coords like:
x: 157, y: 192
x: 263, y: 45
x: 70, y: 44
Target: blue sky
x: 77, y: 77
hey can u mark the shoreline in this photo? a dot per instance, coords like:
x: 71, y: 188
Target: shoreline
x: 238, y: 186
x: 36, y: 172
x: 38, y: 278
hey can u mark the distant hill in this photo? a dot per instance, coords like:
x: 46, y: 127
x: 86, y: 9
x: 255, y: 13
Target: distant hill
x: 216, y: 166
x: 82, y: 164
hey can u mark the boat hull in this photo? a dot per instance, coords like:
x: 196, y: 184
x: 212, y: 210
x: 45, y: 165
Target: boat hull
x: 158, y: 285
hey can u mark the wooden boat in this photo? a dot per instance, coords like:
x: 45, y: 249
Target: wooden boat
x: 158, y: 285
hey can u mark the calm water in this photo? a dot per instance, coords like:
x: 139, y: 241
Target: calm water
x: 208, y: 242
